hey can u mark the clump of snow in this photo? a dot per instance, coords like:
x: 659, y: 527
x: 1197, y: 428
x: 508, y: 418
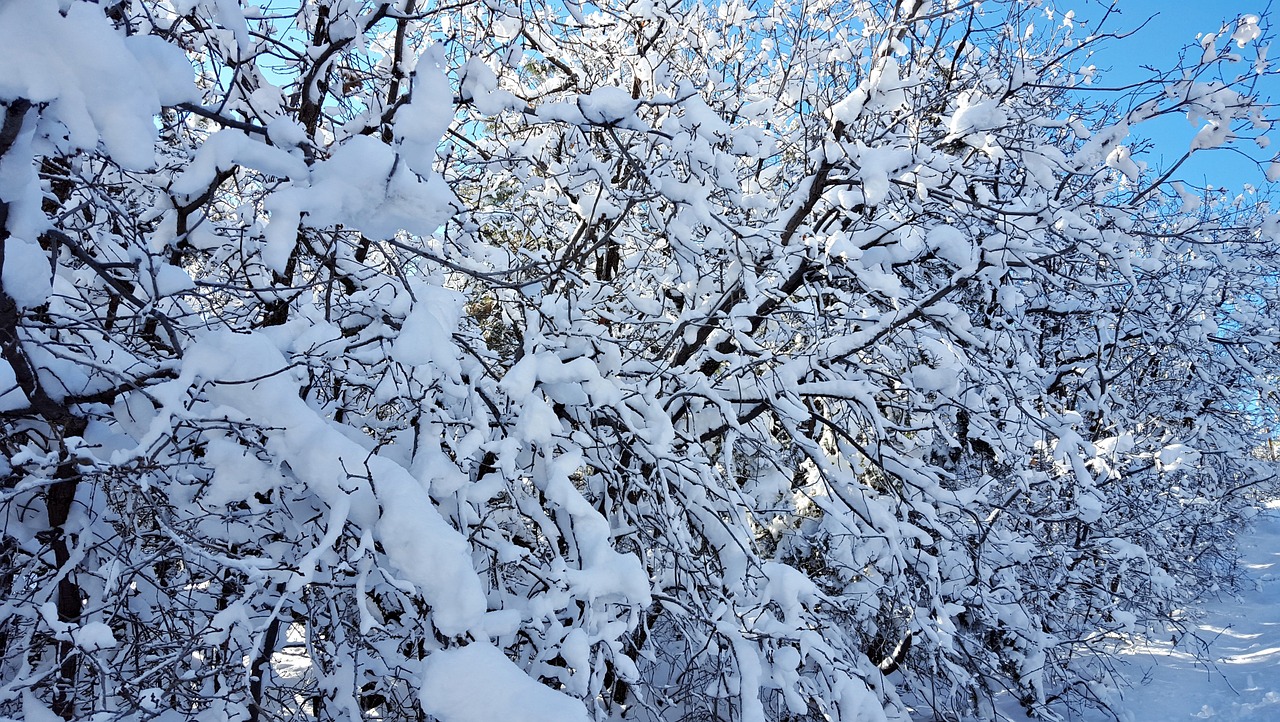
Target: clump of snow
x: 93, y: 81
x: 790, y: 589
x: 1212, y: 135
x: 1247, y: 30
x: 928, y: 379
x: 1175, y: 456
x: 1123, y: 161
x: 1210, y: 51
x: 477, y: 683
x: 1088, y: 508
x: 89, y: 84
x: 604, y: 573
x: 11, y: 397
x: 784, y: 675
x: 607, y: 105
x: 427, y: 333
x: 420, y: 123
x: 27, y: 277
x: 480, y: 86
x: 172, y: 280
x: 33, y: 710
x: 93, y: 636
x: 362, y: 185
x: 975, y: 113
x: 858, y: 703
x: 879, y: 166
x: 286, y: 132
x: 1273, y: 171
x: 883, y: 90
x: 951, y: 245
x: 230, y: 147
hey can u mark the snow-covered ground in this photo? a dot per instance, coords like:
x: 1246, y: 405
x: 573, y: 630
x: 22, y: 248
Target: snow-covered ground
x: 1243, y: 635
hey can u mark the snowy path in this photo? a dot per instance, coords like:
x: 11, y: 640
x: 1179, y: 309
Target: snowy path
x: 1245, y: 642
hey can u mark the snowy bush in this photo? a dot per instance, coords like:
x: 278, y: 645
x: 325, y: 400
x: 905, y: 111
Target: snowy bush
x: 627, y: 361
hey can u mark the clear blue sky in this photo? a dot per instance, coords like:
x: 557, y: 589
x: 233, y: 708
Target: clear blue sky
x: 1175, y: 24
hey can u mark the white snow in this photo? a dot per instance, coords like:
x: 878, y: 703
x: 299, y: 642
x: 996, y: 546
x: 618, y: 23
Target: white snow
x: 427, y: 334
x: 93, y: 636
x: 480, y: 85
x: 1175, y: 456
x: 859, y: 704
x: 33, y: 710
x: 1247, y: 30
x: 425, y: 550
x: 166, y: 66
x: 1123, y: 161
x: 1242, y: 642
x: 362, y: 185
x: 1210, y: 50
x: 227, y: 148
x: 286, y: 132
x: 477, y: 683
x: 422, y: 121
x: 171, y: 280
x: 84, y: 69
x: 975, y: 113
x: 27, y: 276
x: 950, y: 244
x: 607, y: 105
x: 499, y: 541
x: 1226, y: 668
x: 878, y: 166
x: 789, y: 588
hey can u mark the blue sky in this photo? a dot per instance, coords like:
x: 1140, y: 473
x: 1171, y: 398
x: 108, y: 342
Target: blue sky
x: 1176, y: 24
